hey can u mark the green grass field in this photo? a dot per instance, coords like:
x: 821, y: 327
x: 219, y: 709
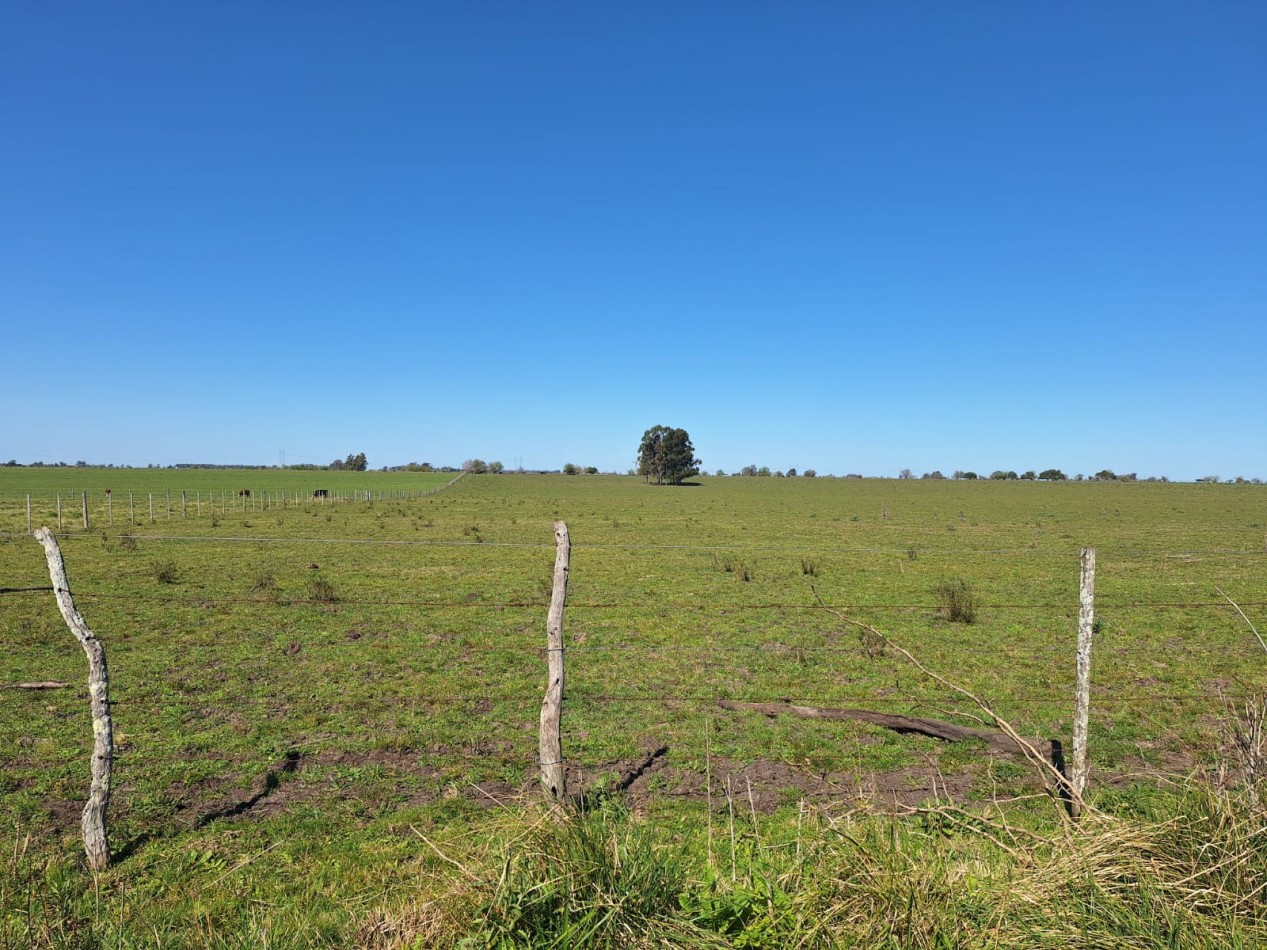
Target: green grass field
x: 302, y: 694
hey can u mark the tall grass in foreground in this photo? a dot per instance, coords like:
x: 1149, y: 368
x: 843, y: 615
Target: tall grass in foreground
x: 1184, y: 867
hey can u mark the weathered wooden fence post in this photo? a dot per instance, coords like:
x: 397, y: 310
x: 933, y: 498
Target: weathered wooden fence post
x: 110, y: 507
x: 94, y: 820
x: 184, y: 504
x: 28, y: 514
x: 1082, y: 697
x: 85, y: 503
x: 550, y: 751
x: 131, y: 508
x: 59, y: 511
x: 151, y: 507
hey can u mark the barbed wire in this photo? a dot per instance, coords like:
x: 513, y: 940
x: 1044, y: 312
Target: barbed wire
x: 1102, y: 696
x: 193, y: 601
x: 902, y: 552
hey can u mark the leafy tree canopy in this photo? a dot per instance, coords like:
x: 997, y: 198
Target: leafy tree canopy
x: 667, y: 455
x: 353, y: 463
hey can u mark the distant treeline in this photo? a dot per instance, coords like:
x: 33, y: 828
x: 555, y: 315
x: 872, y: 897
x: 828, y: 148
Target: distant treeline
x: 480, y: 467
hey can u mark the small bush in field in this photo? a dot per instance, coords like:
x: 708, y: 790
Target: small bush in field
x: 166, y: 572
x: 956, y: 601
x: 321, y: 591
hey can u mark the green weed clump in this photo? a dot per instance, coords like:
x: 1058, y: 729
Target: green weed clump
x: 591, y: 879
x: 321, y: 591
x: 166, y: 572
x: 729, y: 564
x: 957, y: 601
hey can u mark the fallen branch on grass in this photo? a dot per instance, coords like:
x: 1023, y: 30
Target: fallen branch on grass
x: 1053, y: 776
x: 935, y: 728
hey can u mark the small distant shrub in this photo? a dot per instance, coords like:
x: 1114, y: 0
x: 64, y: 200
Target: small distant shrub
x: 912, y: 554
x: 166, y: 572
x: 732, y: 565
x: 872, y: 643
x: 809, y: 568
x: 321, y: 591
x: 265, y: 582
x: 957, y: 601
x: 127, y: 542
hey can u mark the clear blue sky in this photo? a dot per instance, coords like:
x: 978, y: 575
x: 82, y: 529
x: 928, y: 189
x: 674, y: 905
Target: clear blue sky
x: 850, y: 237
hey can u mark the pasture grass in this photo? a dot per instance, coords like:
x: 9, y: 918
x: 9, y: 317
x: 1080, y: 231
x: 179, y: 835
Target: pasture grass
x: 302, y: 695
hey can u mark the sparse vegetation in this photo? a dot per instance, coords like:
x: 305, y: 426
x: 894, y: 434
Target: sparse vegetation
x: 361, y: 772
x: 321, y: 591
x: 956, y: 600
x: 166, y: 572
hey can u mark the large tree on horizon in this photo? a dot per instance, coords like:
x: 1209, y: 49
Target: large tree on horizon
x: 667, y: 456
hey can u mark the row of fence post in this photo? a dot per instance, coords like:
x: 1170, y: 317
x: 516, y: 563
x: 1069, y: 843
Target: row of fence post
x: 550, y: 743
x: 550, y: 746
x: 229, y: 502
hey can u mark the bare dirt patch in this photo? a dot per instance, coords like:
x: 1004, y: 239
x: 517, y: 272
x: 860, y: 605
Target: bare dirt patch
x: 765, y: 785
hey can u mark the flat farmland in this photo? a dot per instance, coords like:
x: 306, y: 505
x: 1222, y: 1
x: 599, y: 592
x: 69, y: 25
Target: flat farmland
x: 313, y: 688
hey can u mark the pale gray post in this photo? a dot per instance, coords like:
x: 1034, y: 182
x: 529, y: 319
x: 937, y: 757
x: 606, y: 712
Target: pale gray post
x: 28, y: 514
x: 550, y: 750
x: 110, y: 508
x: 169, y: 504
x: 151, y: 507
x: 184, y: 513
x: 94, y: 820
x: 59, y: 511
x: 131, y: 509
x: 85, y: 506
x: 1082, y: 696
